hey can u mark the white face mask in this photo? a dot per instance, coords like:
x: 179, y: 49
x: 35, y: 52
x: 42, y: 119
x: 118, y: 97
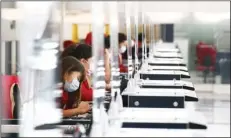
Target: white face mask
x: 71, y: 86
x: 122, y: 49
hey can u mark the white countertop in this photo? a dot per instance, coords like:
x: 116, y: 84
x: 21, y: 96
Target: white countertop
x: 166, y: 83
x: 160, y: 92
x: 167, y: 72
x: 168, y: 67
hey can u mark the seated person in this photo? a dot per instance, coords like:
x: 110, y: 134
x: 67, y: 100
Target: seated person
x: 125, y: 54
x: 83, y: 53
x: 122, y: 49
x: 88, y: 38
x: 122, y: 46
x: 141, y: 38
x: 73, y: 74
x: 88, y: 41
x: 67, y: 43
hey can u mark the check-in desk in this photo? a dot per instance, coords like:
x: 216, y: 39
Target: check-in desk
x: 167, y: 84
x: 166, y: 62
x: 176, y: 50
x: 11, y: 128
x: 138, y: 132
x: 163, y: 75
x: 156, y: 104
x: 153, y: 98
x: 161, y: 118
x: 167, y: 55
x: 149, y: 120
x: 166, y: 45
x: 174, y: 68
x: 148, y: 95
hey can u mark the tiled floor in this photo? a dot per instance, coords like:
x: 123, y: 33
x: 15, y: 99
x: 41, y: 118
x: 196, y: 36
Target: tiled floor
x: 214, y: 103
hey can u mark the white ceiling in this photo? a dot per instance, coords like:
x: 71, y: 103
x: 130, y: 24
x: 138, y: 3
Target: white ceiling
x: 80, y: 12
x: 165, y: 6
x: 159, y: 12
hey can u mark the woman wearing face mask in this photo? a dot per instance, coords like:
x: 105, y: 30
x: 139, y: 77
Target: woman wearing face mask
x: 122, y: 40
x: 72, y: 76
x: 83, y: 53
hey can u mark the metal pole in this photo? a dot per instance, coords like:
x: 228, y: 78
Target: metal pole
x: 115, y: 74
x: 143, y: 31
x: 128, y: 28
x: 38, y: 61
x: 136, y: 18
x: 145, y: 34
x: 62, y: 14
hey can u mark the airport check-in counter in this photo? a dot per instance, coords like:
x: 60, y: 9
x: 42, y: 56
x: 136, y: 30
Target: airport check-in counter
x: 160, y: 90
x: 157, y: 101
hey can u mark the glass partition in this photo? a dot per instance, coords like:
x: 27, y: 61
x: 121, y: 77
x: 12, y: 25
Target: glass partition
x: 99, y: 114
x: 136, y: 32
x: 38, y: 35
x: 129, y: 39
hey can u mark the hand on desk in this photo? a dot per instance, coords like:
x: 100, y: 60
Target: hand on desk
x: 84, y: 107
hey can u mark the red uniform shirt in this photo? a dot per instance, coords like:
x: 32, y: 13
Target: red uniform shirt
x: 123, y: 68
x: 86, y: 91
x: 64, y: 100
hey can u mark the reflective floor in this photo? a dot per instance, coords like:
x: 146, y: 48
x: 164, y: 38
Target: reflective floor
x: 214, y: 103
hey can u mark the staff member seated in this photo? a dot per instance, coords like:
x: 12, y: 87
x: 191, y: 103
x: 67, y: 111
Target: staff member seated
x: 73, y: 75
x: 83, y: 53
x: 122, y: 40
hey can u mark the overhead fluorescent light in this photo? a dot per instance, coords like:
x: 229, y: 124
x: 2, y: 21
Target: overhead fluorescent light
x: 165, y: 17
x: 211, y: 17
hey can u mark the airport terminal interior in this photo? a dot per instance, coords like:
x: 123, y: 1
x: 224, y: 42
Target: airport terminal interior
x: 115, y: 69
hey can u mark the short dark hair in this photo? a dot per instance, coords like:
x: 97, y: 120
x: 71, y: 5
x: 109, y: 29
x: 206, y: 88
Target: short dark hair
x: 83, y: 51
x: 68, y: 51
x: 78, y: 51
x: 107, y: 42
x: 141, y: 37
x: 122, y: 37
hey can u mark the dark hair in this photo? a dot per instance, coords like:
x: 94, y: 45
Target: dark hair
x: 122, y: 37
x: 107, y: 42
x: 78, y: 51
x: 68, y: 51
x: 83, y: 51
x: 141, y: 37
x: 69, y: 65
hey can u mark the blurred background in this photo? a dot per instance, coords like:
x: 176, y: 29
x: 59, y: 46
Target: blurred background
x: 206, y: 35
